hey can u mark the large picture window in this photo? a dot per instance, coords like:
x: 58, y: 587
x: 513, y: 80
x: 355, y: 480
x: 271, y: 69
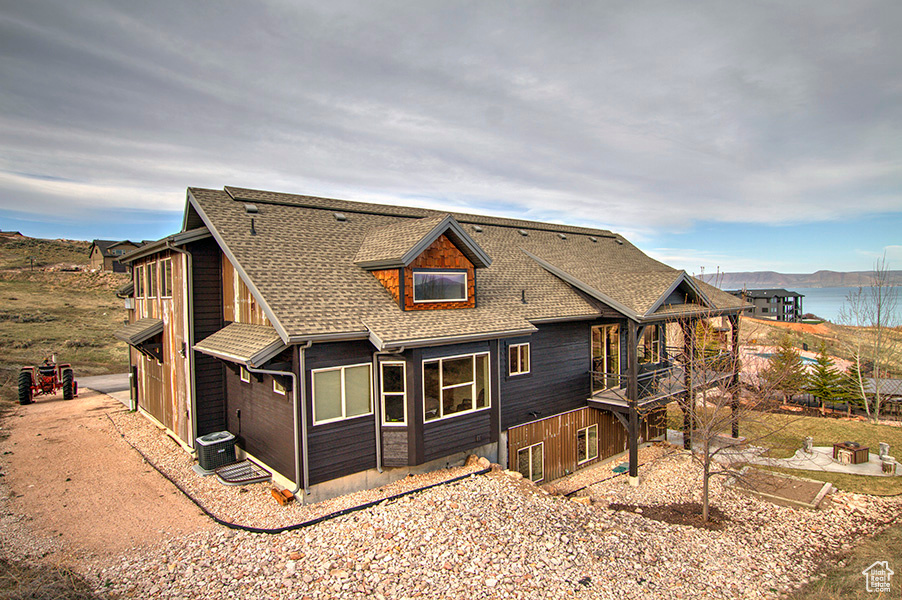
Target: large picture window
x: 342, y: 393
x: 394, y: 393
x: 439, y: 286
x: 518, y: 359
x: 587, y: 444
x: 531, y: 462
x: 455, y: 385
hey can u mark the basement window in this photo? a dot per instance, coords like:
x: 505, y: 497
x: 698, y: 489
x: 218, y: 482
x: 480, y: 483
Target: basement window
x: 531, y: 462
x: 586, y: 444
x: 439, y: 286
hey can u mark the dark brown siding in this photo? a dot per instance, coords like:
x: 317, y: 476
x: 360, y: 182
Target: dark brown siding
x: 456, y: 434
x: 261, y: 420
x: 342, y: 447
x: 558, y: 380
x: 394, y: 446
x: 208, y: 372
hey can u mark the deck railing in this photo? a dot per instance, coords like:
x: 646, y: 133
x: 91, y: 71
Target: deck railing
x: 664, y: 379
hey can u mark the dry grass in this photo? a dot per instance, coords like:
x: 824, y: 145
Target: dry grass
x: 22, y: 253
x: 845, y: 582
x: 25, y: 581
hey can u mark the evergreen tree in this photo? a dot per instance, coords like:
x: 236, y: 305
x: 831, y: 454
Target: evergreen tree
x: 824, y: 382
x: 785, y: 371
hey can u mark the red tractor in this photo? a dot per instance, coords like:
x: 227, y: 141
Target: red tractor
x: 48, y: 378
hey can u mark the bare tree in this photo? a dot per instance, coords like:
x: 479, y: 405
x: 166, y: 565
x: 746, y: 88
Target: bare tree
x: 716, y: 404
x: 871, y: 312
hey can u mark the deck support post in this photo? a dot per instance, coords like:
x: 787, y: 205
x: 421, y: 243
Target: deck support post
x: 632, y: 394
x: 734, y: 380
x: 688, y: 327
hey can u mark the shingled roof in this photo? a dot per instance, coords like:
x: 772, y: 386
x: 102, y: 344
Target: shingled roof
x: 304, y: 266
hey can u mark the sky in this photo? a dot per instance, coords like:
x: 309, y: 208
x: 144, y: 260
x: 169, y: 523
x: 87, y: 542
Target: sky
x: 719, y: 135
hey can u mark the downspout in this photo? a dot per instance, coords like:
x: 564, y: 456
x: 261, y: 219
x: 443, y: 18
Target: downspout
x: 300, y: 467
x: 377, y: 413
x: 189, y: 353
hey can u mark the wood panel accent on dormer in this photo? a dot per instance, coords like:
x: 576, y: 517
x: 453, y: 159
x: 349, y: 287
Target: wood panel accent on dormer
x: 238, y: 304
x: 441, y: 254
x: 390, y: 280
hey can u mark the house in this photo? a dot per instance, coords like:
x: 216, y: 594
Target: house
x: 346, y: 344
x: 105, y: 254
x: 773, y: 303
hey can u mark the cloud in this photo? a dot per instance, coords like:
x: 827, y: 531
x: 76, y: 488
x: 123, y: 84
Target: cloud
x: 638, y: 117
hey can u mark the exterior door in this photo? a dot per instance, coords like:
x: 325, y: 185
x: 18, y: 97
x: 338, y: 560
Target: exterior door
x: 605, y: 357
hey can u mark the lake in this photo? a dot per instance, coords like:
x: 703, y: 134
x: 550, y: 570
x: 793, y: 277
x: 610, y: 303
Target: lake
x: 824, y: 302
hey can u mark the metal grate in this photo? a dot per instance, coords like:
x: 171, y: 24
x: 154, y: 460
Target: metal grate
x: 242, y: 473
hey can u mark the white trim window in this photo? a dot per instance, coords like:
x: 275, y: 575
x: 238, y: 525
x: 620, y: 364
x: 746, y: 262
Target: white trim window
x: 244, y: 374
x: 342, y: 393
x: 278, y: 387
x: 531, y: 462
x: 455, y: 385
x: 152, y: 279
x: 393, y: 383
x: 439, y: 286
x: 139, y: 281
x: 166, y: 278
x: 518, y: 359
x: 650, y: 345
x: 587, y: 444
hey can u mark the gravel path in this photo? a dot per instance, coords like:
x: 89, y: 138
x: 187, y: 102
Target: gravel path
x: 495, y: 535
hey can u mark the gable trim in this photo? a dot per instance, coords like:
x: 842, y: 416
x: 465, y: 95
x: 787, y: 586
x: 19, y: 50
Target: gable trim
x: 682, y: 277
x: 267, y: 310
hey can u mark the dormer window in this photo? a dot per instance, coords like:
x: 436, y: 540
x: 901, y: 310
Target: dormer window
x: 436, y: 285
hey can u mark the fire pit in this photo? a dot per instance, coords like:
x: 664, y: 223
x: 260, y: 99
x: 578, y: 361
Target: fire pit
x: 850, y: 453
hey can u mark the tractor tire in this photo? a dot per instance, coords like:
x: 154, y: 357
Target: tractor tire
x: 68, y: 387
x: 25, y: 393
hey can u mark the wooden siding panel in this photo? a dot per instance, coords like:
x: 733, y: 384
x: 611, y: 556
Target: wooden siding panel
x: 261, y: 420
x: 442, y: 254
x: 559, y: 436
x: 391, y: 281
x: 394, y: 446
x: 238, y: 304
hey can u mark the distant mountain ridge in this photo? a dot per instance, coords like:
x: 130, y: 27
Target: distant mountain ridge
x: 772, y: 279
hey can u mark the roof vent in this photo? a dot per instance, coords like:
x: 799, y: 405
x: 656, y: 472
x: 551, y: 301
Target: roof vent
x: 593, y: 239
x: 340, y: 216
x: 477, y: 228
x: 619, y: 241
x: 523, y: 232
x: 251, y: 209
x: 562, y: 236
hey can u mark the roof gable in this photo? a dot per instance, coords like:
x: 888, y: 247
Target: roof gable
x: 399, y: 244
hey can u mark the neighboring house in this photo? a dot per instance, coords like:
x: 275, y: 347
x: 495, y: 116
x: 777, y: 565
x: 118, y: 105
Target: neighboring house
x: 105, y: 254
x: 775, y: 303
x: 346, y: 344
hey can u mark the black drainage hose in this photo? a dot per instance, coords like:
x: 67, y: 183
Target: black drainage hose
x: 301, y: 525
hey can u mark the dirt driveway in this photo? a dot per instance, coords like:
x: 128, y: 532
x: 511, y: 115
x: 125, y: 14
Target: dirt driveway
x: 77, y: 482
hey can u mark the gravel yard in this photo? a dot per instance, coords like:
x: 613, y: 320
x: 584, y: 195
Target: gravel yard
x: 488, y: 536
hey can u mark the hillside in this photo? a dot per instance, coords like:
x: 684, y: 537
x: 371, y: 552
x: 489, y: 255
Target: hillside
x: 772, y: 279
x: 17, y: 252
x: 46, y: 310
